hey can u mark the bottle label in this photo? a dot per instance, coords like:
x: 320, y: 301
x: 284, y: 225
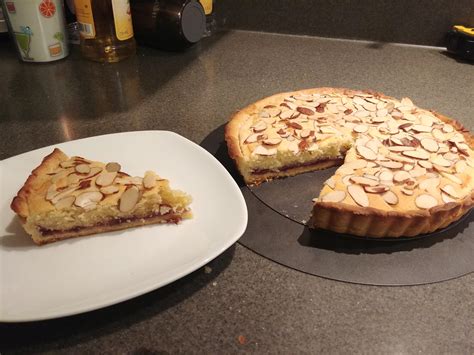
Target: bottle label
x: 207, y: 5
x: 85, y: 18
x: 122, y: 19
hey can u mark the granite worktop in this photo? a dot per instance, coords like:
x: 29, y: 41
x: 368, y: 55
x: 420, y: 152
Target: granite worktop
x: 241, y: 301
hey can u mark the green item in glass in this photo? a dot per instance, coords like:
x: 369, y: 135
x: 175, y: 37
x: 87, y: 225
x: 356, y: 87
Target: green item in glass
x: 23, y: 39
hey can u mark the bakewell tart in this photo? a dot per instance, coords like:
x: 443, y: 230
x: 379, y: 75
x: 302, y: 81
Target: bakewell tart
x: 405, y: 170
x: 66, y: 197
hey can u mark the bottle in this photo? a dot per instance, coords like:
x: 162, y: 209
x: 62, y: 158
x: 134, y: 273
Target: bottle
x: 208, y: 6
x: 168, y: 24
x: 106, y: 29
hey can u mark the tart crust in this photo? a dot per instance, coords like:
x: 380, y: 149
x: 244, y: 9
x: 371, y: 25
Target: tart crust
x: 344, y: 217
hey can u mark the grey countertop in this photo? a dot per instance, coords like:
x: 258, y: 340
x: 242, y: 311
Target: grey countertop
x: 244, y: 302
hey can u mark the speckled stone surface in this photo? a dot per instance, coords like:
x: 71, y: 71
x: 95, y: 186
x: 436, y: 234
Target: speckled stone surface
x: 244, y: 303
x: 400, y: 21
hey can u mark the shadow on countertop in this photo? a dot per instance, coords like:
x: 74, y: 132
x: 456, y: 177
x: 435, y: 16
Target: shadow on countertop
x: 64, y: 332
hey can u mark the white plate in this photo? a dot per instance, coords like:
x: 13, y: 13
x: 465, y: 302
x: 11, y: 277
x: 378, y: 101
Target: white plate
x: 88, y: 273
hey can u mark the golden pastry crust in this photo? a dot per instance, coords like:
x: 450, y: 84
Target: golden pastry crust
x: 352, y: 218
x: 70, y: 197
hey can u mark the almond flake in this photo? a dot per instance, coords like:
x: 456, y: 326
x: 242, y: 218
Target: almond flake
x: 331, y: 182
x: 439, y: 160
x: 105, y: 179
x: 401, y: 176
x: 427, y: 120
x: 449, y: 189
x: 88, y: 200
x: 452, y: 177
x: 446, y: 198
x: 346, y: 180
x: 252, y: 138
x: 129, y: 199
x: 407, y: 192
x: 407, y: 167
x: 261, y: 150
x: 390, y: 197
x: 400, y: 148
x: 273, y: 111
x: 113, y: 167
x: 373, y: 145
x: 364, y: 181
x: 149, y: 180
x: 83, y: 168
x: 305, y: 110
x: 52, y: 192
x: 366, y: 153
x: 386, y: 175
x: 429, y: 183
x: 109, y: 190
x: 260, y: 126
x: 272, y: 141
x: 460, y: 166
x: 450, y: 156
x: 421, y: 128
x: 390, y: 164
x: 430, y: 145
x: 65, y: 202
x: 358, y: 195
x: 438, y: 134
x: 376, y: 189
x: 305, y: 133
x: 400, y: 158
x: 417, y: 154
x: 425, y: 164
x: 334, y: 196
x: 425, y: 201
x: 448, y: 128
x: 369, y: 106
x: 417, y: 172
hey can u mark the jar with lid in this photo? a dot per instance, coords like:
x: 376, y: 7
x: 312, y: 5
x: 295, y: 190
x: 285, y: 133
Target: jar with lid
x: 106, y: 29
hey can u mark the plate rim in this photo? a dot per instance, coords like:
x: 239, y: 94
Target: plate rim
x: 153, y: 285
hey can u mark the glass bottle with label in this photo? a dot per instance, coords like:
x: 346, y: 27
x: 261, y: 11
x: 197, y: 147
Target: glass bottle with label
x: 106, y: 29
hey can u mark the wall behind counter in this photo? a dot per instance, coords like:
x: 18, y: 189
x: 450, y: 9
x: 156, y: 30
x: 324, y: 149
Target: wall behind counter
x: 422, y: 22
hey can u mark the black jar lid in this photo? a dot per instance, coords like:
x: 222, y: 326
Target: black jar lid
x: 168, y: 24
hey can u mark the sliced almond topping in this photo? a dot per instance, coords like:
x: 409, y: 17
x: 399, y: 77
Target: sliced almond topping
x: 386, y: 175
x: 358, y: 195
x: 460, y: 166
x: 408, y: 167
x: 67, y: 164
x: 331, y: 182
x: 401, y: 176
x: 109, y: 190
x: 105, y: 179
x: 427, y: 120
x: 400, y: 158
x: 390, y: 197
x: 272, y: 141
x: 400, y: 148
x: 260, y: 126
x: 149, y: 180
x: 305, y: 133
x: 390, y: 164
x: 373, y: 145
x: 366, y: 153
x: 439, y: 160
x: 425, y: 201
x: 364, y: 181
x: 73, y: 179
x: 273, y: 111
x: 346, y: 180
x: 261, y: 150
x: 448, y: 128
x: 425, y: 164
x: 305, y: 110
x: 446, y: 198
x: 129, y: 199
x: 417, y: 154
x: 429, y: 183
x: 63, y: 193
x: 252, y: 138
x: 376, y: 189
x: 430, y: 145
x: 113, y: 167
x: 83, y: 168
x: 88, y: 200
x: 369, y: 106
x: 334, y: 196
x: 360, y: 128
x: 449, y: 189
x: 452, y: 177
x: 438, y: 134
x: 417, y: 172
x: 356, y: 164
x: 407, y: 192
x: 52, y: 192
x: 450, y: 156
x: 462, y: 147
x: 406, y: 102
x: 421, y: 128
x: 65, y: 202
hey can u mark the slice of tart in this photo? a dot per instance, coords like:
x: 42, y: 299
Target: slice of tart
x: 71, y: 197
x: 407, y: 170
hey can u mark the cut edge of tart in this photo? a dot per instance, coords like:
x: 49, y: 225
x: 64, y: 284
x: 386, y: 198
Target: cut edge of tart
x: 406, y: 171
x: 71, y: 197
